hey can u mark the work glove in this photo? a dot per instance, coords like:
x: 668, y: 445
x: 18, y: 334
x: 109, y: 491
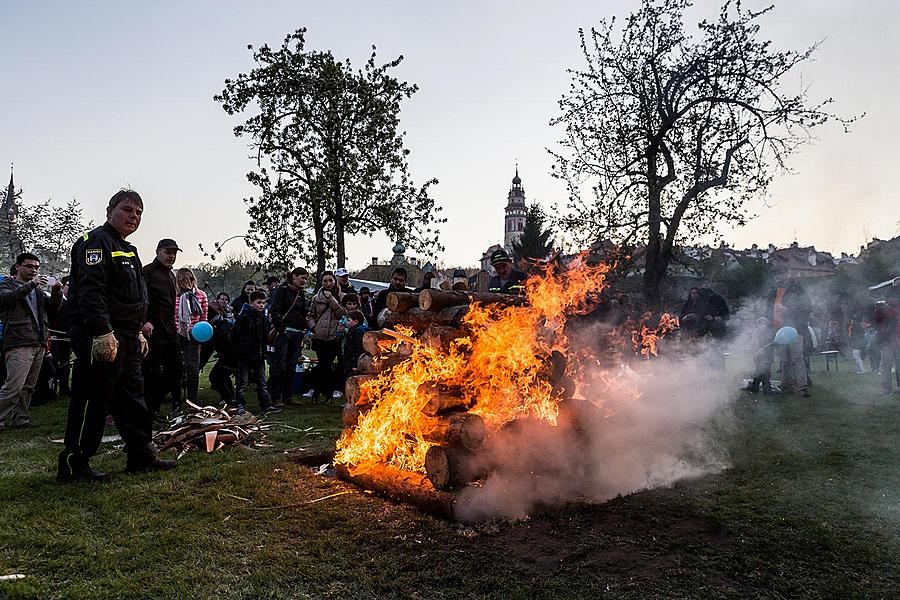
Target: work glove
x: 145, y: 346
x: 105, y: 347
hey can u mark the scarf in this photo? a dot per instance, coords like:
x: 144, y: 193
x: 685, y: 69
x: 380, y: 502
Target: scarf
x: 188, y: 307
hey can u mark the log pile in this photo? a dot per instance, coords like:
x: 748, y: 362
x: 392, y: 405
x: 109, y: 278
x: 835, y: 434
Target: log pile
x: 457, y: 435
x: 210, y: 428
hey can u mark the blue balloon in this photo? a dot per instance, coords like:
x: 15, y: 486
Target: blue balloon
x: 786, y: 336
x: 202, y: 331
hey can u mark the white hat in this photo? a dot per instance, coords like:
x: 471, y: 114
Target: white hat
x: 342, y: 272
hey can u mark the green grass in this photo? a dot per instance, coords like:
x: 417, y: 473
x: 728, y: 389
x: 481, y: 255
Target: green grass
x: 809, y: 508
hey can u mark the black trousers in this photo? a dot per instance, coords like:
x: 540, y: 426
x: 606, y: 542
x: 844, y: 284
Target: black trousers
x: 163, y: 370
x: 98, y: 389
x: 62, y: 360
x: 284, y: 365
x: 221, y: 379
x: 326, y: 353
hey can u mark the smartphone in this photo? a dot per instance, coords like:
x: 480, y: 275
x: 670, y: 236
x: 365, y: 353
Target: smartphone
x: 51, y: 280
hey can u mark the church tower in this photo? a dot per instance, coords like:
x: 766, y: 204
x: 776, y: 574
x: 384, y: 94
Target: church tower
x: 515, y: 212
x: 10, y: 244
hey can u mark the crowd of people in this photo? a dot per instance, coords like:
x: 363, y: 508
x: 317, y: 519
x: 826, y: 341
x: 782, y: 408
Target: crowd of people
x: 133, y: 332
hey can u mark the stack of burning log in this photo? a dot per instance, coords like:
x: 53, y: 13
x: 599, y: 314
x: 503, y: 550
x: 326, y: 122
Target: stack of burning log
x: 454, y: 433
x: 210, y: 428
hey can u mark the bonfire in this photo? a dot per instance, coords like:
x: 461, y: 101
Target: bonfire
x: 451, y: 369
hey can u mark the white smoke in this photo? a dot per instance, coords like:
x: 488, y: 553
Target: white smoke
x: 609, y: 443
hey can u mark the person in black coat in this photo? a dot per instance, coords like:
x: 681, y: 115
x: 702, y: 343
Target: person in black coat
x: 251, y: 330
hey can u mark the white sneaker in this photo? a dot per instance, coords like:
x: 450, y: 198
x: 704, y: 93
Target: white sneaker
x: 336, y: 394
x: 308, y: 394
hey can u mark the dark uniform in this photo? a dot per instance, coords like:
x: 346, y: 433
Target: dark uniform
x: 513, y: 285
x: 106, y: 293
x: 163, y: 366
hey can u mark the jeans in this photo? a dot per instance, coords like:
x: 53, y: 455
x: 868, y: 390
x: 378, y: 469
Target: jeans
x: 255, y: 369
x: 190, y: 350
x: 284, y: 365
x: 890, y: 355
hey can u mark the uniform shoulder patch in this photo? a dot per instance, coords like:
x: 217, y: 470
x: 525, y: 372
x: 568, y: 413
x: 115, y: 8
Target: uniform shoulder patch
x: 93, y: 256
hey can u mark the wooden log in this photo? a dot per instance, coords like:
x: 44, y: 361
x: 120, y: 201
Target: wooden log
x: 402, y: 301
x: 452, y: 315
x: 354, y: 390
x: 416, y: 318
x: 401, y: 486
x: 450, y: 466
x: 441, y: 399
x: 365, y: 365
x: 386, y: 362
x: 437, y: 300
x: 351, y: 413
x: 440, y: 337
x: 372, y: 342
x: 458, y: 429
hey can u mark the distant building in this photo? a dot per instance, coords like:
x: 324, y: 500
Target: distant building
x: 9, y: 222
x: 802, y: 262
x: 515, y: 212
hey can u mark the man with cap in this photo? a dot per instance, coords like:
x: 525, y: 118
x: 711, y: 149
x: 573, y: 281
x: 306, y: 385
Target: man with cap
x: 427, y: 277
x: 343, y: 281
x: 163, y: 368
x: 109, y: 307
x: 507, y: 280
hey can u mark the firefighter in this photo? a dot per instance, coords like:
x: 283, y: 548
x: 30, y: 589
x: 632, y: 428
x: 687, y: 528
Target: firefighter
x: 108, y: 306
x: 507, y: 280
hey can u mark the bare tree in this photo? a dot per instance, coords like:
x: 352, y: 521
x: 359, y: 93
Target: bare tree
x: 669, y: 135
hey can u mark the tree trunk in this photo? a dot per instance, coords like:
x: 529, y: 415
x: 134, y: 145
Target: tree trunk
x: 458, y: 429
x: 401, y: 486
x: 402, y: 301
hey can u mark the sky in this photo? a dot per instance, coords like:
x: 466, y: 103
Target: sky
x: 98, y: 95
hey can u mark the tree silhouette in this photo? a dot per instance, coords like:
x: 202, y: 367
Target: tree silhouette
x: 535, y: 242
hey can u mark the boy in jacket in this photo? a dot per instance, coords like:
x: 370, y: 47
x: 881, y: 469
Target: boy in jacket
x: 249, y: 336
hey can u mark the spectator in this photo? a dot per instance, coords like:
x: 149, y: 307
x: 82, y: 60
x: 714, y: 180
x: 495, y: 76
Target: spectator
x: 223, y: 371
x: 350, y: 302
x: 365, y: 302
x: 288, y: 313
x: 25, y: 307
x: 834, y: 341
x: 427, y: 279
x: 60, y: 344
x: 325, y: 312
x: 887, y: 319
x: 507, y: 280
x: 460, y: 281
x: 715, y: 313
x: 791, y: 306
x: 353, y: 348
x: 762, y: 357
x: 218, y: 309
x: 691, y: 313
x: 343, y: 280
x: 398, y: 284
x: 190, y: 309
x: 163, y: 367
x: 244, y: 297
x: 272, y: 283
x: 872, y: 350
x: 857, y: 344
x: 251, y: 329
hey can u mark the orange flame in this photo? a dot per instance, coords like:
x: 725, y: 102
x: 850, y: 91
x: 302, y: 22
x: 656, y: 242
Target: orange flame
x: 500, y: 365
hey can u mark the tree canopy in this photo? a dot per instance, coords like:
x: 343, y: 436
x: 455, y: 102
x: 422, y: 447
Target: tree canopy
x: 331, y: 159
x: 667, y: 135
x: 535, y: 242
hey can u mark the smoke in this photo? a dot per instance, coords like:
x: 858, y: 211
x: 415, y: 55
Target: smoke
x: 609, y: 441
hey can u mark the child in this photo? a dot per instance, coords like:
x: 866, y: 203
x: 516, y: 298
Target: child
x: 763, y: 357
x: 857, y: 343
x: 833, y: 338
x: 872, y: 350
x: 353, y: 348
x: 250, y: 333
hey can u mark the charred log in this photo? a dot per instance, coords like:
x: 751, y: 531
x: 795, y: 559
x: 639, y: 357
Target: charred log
x: 449, y: 466
x: 401, y: 486
x: 440, y: 337
x: 354, y: 390
x: 442, y: 399
x: 458, y: 429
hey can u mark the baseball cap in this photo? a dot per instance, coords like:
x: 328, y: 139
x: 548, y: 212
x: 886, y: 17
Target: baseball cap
x: 500, y: 256
x: 167, y: 243
x: 342, y: 272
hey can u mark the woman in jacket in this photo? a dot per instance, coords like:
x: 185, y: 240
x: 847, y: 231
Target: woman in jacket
x: 323, y: 318
x: 191, y: 307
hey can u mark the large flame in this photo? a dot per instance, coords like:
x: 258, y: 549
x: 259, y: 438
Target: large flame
x: 500, y: 365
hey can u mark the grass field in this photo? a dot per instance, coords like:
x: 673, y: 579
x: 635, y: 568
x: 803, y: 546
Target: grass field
x: 809, y: 508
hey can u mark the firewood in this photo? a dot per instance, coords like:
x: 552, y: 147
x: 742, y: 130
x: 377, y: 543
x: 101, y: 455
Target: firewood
x: 352, y: 412
x: 387, y: 362
x: 440, y: 337
x: 401, y: 486
x: 436, y: 300
x: 452, y: 315
x: 372, y: 340
x: 458, y: 429
x: 449, y: 466
x: 402, y: 301
x: 442, y: 399
x: 353, y: 389
x: 416, y: 318
x: 365, y: 365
